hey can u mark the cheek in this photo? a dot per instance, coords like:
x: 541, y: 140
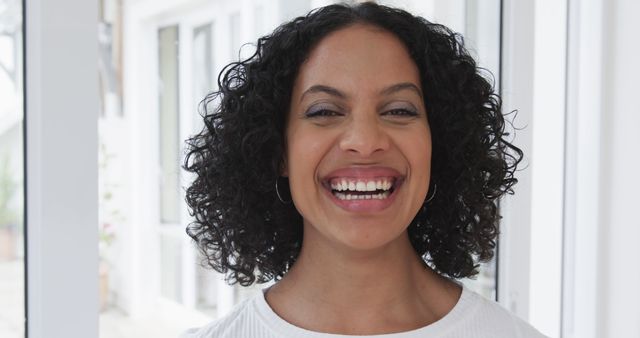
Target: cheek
x: 417, y: 150
x: 423, y: 154
x: 304, y: 153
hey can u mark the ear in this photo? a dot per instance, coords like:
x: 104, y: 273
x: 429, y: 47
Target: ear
x: 284, y: 164
x: 284, y: 168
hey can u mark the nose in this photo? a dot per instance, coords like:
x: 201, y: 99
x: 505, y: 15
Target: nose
x: 364, y: 136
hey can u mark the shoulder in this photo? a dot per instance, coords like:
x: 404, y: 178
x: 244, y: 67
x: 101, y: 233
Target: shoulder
x: 232, y: 325
x: 497, y: 321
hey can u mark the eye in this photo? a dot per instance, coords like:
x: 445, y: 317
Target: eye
x: 400, y: 112
x: 322, y: 113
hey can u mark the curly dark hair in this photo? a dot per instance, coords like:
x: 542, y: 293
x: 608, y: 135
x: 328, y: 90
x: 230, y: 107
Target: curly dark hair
x: 243, y: 229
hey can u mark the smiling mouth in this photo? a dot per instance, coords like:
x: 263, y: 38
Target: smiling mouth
x: 347, y: 188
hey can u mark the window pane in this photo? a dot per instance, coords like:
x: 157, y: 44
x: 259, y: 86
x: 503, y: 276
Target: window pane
x: 235, y: 30
x: 171, y: 262
x: 12, y: 314
x: 203, y: 60
x: 203, y: 77
x: 169, y: 104
x: 291, y: 9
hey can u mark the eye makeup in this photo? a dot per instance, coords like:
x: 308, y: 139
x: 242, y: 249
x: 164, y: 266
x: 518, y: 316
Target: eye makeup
x: 400, y: 112
x: 322, y: 110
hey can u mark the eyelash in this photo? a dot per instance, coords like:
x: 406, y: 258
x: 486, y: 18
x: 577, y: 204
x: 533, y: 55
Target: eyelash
x: 329, y: 113
x: 402, y: 111
x: 321, y: 113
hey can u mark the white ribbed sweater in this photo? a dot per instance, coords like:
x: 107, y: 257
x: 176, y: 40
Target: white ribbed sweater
x: 472, y: 317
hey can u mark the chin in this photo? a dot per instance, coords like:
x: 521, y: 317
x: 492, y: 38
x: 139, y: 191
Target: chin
x: 367, y: 238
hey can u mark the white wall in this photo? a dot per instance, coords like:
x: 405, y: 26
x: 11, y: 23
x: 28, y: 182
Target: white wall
x: 62, y: 171
x: 619, y: 224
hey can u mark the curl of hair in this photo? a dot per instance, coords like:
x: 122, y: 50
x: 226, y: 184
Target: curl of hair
x: 241, y: 227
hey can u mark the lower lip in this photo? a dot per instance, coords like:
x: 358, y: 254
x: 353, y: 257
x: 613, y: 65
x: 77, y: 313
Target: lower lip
x: 364, y: 205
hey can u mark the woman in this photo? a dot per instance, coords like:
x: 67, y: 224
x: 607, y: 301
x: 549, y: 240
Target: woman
x: 356, y: 159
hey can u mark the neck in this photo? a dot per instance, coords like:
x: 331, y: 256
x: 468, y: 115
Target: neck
x: 354, y: 291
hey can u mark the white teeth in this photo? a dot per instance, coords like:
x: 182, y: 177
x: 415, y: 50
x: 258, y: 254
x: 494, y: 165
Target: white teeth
x: 349, y: 197
x: 371, y: 186
x: 361, y: 185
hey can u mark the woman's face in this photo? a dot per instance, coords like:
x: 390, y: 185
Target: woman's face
x: 358, y: 142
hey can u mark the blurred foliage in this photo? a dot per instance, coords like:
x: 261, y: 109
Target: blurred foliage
x: 108, y: 213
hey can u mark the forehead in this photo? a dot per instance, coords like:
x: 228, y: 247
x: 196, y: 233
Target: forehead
x: 358, y: 56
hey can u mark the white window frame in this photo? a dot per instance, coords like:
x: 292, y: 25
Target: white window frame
x: 582, y: 288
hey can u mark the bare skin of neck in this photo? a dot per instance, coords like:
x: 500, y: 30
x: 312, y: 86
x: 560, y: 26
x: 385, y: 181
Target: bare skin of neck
x: 382, y: 291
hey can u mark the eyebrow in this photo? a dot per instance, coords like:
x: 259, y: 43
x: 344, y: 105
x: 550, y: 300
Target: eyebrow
x: 401, y: 86
x: 337, y: 93
x: 324, y: 89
